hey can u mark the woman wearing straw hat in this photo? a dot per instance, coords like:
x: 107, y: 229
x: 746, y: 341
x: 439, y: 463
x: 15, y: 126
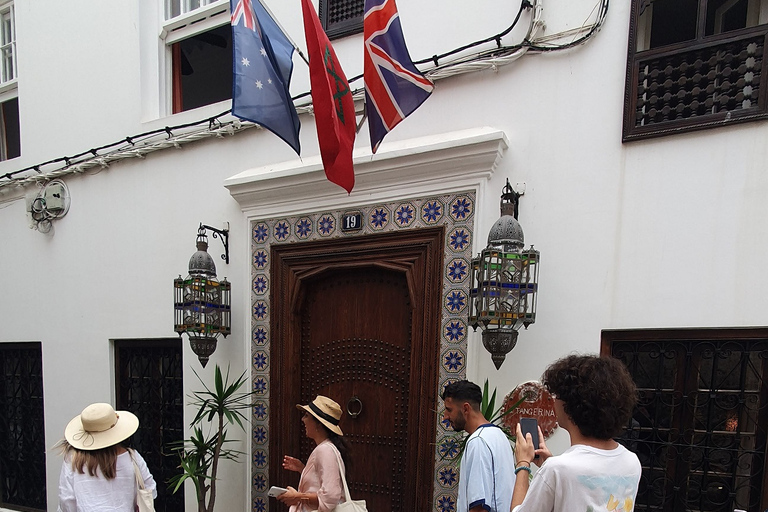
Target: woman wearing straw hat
x: 98, y: 472
x: 320, y: 486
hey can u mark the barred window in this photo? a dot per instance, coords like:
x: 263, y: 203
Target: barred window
x: 701, y: 422
x: 341, y: 17
x: 694, y: 64
x: 22, y: 430
x: 150, y: 385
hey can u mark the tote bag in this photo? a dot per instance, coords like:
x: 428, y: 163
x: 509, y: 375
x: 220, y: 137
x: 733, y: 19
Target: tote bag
x: 144, y: 499
x: 350, y: 505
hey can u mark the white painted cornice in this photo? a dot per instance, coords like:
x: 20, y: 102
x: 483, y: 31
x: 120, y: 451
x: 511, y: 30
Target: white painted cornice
x: 435, y: 164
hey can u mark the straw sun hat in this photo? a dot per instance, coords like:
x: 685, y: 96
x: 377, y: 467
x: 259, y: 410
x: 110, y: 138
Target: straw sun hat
x: 326, y: 411
x: 100, y: 426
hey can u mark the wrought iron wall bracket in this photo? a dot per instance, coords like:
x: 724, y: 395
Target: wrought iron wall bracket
x: 218, y: 233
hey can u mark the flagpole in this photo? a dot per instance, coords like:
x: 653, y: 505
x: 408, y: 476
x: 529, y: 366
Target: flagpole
x: 295, y: 47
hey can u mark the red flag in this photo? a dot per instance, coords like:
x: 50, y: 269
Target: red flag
x: 332, y: 100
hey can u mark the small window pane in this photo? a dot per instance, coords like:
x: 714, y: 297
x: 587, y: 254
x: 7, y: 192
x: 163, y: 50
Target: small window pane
x: 671, y: 21
x: 7, y: 57
x: 173, y: 8
x: 7, y: 28
x: 202, y: 69
x: 726, y: 15
x: 10, y: 140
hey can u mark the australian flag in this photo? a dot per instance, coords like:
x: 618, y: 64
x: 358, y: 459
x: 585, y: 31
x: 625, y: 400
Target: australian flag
x: 262, y: 65
x: 393, y: 86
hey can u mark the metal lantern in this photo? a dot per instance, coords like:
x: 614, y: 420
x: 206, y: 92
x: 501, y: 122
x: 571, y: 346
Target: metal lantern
x: 504, y: 283
x: 202, y: 303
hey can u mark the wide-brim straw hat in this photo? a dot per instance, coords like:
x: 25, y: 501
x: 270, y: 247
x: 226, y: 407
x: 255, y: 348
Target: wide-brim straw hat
x: 100, y: 426
x: 326, y: 411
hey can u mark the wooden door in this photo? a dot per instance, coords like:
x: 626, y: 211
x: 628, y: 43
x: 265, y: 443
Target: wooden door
x: 358, y: 322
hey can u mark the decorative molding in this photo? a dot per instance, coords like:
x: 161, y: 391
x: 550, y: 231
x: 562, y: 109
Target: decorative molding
x: 435, y: 164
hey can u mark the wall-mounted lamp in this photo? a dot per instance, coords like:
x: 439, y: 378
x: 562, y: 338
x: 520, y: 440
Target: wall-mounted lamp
x: 504, y: 282
x: 202, y: 303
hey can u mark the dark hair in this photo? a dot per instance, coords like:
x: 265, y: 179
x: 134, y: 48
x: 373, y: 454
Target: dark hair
x: 464, y: 390
x: 598, y: 393
x: 341, y: 443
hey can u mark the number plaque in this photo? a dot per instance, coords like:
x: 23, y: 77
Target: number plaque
x: 352, y: 221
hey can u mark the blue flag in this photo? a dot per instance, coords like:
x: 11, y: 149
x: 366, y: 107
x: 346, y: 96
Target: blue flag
x: 262, y: 65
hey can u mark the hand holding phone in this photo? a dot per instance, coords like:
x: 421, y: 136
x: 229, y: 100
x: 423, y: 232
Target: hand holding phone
x: 276, y: 491
x: 531, y: 426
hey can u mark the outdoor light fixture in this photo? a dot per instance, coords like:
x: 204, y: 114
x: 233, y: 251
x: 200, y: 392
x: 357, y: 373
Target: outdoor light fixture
x: 504, y: 282
x: 202, y: 304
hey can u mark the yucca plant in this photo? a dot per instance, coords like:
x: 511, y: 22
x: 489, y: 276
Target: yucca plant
x: 200, y: 455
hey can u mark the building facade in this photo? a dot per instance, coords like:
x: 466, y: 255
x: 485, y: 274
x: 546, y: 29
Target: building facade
x: 638, y: 144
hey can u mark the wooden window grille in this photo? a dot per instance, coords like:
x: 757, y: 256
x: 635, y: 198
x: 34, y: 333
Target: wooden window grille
x: 701, y: 422
x: 341, y: 17
x: 150, y: 385
x: 22, y: 428
x: 694, y: 65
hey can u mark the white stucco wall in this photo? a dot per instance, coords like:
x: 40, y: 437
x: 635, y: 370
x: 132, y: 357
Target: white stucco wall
x: 667, y: 232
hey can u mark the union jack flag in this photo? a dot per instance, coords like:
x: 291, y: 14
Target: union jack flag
x: 244, y: 10
x: 394, y: 88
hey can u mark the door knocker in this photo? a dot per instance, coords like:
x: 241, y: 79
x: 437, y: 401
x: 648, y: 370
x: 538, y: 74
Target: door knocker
x: 352, y: 401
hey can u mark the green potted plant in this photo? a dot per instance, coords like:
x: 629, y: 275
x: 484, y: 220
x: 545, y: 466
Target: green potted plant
x: 200, y: 455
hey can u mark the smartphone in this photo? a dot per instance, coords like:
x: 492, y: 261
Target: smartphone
x: 276, y: 491
x: 531, y: 426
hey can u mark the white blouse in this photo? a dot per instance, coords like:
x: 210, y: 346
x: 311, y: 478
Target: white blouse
x: 86, y: 493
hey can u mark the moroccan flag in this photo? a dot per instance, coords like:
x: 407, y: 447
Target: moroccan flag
x: 394, y: 88
x: 262, y: 66
x: 332, y: 101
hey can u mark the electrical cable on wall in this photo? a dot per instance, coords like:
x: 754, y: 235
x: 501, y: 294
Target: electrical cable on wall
x: 137, y: 146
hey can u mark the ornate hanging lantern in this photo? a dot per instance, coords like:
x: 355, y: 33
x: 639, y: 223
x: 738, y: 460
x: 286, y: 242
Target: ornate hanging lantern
x: 504, y: 282
x: 202, y: 303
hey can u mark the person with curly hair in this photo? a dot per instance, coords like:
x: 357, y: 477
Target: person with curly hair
x: 594, y: 400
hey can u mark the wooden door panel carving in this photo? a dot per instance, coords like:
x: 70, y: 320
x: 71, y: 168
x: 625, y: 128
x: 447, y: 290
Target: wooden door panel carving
x: 369, y: 374
x: 363, y: 328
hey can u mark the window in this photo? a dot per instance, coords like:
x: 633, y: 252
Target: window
x: 694, y: 64
x: 150, y: 384
x: 174, y: 8
x: 341, y: 17
x: 198, y: 39
x: 10, y: 138
x: 7, y: 44
x: 10, y: 142
x: 22, y: 432
x: 700, y: 425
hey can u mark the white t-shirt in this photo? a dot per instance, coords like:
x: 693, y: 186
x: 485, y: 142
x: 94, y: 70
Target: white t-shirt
x: 86, y: 493
x: 487, y: 471
x: 585, y: 478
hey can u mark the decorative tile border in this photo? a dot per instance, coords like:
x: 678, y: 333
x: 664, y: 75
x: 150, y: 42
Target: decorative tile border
x: 456, y: 213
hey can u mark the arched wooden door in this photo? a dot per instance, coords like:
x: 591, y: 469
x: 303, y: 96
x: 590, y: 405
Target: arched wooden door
x: 357, y: 320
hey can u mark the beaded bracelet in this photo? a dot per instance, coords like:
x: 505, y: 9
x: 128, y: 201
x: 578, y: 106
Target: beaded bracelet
x: 523, y: 462
x: 523, y: 468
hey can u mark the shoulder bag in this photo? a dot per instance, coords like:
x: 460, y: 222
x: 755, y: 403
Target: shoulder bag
x: 144, y: 499
x: 349, y: 505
